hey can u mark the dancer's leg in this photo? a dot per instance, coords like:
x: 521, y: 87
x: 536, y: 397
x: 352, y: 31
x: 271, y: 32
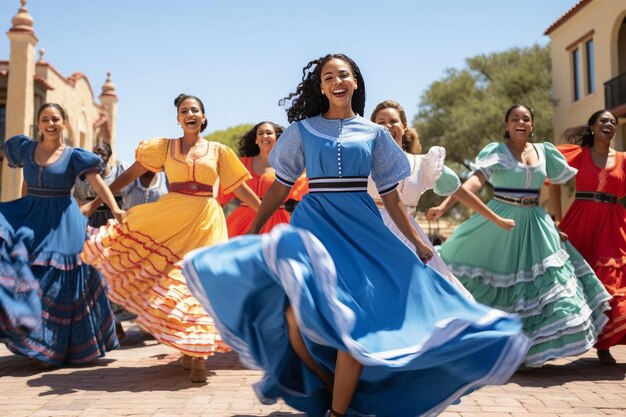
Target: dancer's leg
x: 347, y: 375
x: 295, y: 338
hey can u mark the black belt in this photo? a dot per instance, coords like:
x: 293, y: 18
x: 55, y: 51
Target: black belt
x: 337, y: 184
x: 597, y: 197
x: 499, y: 190
x: 517, y: 201
x: 49, y: 192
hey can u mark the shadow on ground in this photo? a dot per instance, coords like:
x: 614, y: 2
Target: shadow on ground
x: 583, y: 369
x: 274, y: 414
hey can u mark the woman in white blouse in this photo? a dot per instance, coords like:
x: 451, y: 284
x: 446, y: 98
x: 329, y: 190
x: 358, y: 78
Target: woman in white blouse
x: 427, y: 172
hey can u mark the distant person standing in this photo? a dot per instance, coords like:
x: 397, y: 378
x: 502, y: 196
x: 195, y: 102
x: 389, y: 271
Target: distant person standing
x: 148, y: 188
x: 84, y: 193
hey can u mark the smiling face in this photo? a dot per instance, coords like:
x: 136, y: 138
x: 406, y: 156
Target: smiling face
x: 605, y: 127
x: 190, y: 116
x: 338, y: 83
x: 51, y: 123
x: 519, y: 124
x: 265, y: 137
x: 390, y: 118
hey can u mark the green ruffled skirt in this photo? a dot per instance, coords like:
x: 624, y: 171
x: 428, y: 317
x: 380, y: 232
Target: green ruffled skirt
x: 531, y: 272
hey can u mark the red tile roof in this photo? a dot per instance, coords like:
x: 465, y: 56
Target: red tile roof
x: 571, y: 12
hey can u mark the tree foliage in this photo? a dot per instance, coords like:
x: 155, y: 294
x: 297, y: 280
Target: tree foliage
x: 465, y: 110
x: 229, y: 136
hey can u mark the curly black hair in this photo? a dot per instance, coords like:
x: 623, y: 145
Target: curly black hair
x: 308, y: 101
x: 582, y: 135
x: 182, y: 97
x: 246, y: 146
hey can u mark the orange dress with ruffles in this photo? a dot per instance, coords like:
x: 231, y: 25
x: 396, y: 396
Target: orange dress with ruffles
x: 240, y: 220
x: 598, y: 231
x: 141, y: 258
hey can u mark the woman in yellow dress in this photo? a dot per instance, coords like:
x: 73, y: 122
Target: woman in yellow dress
x: 141, y: 258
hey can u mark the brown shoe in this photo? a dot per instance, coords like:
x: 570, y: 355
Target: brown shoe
x: 605, y: 357
x: 185, y: 361
x: 198, y: 371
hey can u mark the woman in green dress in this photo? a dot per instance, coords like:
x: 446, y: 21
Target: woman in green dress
x: 530, y: 270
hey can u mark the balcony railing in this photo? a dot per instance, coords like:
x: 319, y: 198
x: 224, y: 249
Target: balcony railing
x: 615, y: 92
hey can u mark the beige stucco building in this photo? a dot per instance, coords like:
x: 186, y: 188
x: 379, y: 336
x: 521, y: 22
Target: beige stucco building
x: 588, y: 46
x: 27, y: 82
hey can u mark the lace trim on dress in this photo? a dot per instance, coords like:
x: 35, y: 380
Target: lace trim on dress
x: 494, y: 279
x: 571, y: 349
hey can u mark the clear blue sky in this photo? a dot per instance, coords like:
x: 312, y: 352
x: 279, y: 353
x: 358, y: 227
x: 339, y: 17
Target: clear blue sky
x: 241, y: 56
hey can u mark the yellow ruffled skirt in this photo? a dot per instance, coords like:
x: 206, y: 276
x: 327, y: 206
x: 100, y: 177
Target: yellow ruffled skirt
x: 141, y: 262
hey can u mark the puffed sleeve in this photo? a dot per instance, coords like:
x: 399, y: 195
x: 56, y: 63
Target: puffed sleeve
x: 431, y: 167
x: 15, y: 149
x: 572, y: 153
x: 85, y: 162
x: 559, y: 172
x: 447, y: 183
x: 389, y: 164
x: 151, y: 153
x: 489, y: 160
x: 222, y: 197
x: 231, y: 172
x: 287, y: 156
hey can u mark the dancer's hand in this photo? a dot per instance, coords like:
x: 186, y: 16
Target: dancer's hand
x: 506, y: 224
x: 424, y: 252
x: 562, y: 235
x: 88, y: 209
x: 434, y: 213
x: 119, y: 215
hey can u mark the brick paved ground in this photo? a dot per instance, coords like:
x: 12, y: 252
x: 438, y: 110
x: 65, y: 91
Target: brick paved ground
x: 145, y: 380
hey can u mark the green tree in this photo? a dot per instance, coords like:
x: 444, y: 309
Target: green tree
x: 464, y: 111
x: 229, y: 136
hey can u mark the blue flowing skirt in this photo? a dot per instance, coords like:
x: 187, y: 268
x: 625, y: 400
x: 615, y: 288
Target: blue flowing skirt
x: 355, y: 287
x: 77, y: 323
x: 20, y: 305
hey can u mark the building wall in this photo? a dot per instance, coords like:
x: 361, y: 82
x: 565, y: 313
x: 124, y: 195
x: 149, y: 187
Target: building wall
x: 78, y: 101
x: 600, y: 20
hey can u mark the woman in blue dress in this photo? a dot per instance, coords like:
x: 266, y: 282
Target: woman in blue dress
x: 338, y: 312
x: 77, y: 323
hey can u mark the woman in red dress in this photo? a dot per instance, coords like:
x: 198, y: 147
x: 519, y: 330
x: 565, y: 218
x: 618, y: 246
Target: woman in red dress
x: 596, y: 222
x: 254, y: 148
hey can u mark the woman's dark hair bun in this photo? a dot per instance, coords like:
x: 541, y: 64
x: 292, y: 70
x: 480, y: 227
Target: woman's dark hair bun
x: 178, y: 99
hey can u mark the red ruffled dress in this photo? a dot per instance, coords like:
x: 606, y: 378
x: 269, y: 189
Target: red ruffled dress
x: 240, y: 220
x: 598, y: 231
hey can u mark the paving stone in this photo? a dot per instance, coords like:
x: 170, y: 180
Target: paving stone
x: 145, y: 380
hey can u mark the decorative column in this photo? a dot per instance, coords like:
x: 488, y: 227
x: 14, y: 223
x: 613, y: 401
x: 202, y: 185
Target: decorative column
x: 20, y: 93
x: 109, y: 100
